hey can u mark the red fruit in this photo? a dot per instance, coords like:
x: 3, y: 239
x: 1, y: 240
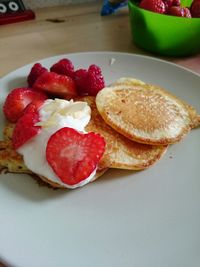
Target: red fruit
x: 35, y: 72
x: 18, y: 99
x: 33, y: 106
x: 64, y: 67
x: 25, y: 127
x: 56, y: 84
x: 157, y: 6
x: 81, y: 80
x: 179, y: 11
x: 168, y: 4
x: 89, y: 82
x: 195, y: 9
x: 176, y: 3
x: 73, y: 155
x: 187, y: 13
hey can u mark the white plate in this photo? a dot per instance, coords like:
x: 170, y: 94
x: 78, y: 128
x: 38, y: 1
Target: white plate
x: 144, y: 219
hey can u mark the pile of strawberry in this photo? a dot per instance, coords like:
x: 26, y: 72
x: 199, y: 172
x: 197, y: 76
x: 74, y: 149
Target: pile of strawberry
x: 61, y: 81
x: 172, y: 7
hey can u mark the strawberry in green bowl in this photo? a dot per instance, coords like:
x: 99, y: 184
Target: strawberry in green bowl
x: 166, y: 27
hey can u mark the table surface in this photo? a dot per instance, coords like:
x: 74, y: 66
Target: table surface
x: 67, y: 29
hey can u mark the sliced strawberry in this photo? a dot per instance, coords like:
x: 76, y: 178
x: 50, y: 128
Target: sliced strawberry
x: 25, y: 127
x: 157, y: 6
x: 64, y: 67
x: 33, y: 106
x: 18, y: 99
x: 35, y: 72
x: 72, y: 155
x: 56, y: 84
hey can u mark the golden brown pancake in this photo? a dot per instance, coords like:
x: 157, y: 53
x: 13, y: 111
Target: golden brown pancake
x: 146, y: 113
x: 121, y: 152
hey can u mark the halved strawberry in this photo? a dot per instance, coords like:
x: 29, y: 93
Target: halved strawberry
x: 56, y: 84
x: 18, y: 99
x: 25, y: 127
x: 35, y: 72
x: 73, y: 155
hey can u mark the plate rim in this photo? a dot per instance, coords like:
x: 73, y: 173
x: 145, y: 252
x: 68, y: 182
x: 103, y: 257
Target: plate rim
x: 2, y: 259
x: 148, y: 57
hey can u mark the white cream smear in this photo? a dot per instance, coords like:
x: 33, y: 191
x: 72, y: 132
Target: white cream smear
x: 54, y: 115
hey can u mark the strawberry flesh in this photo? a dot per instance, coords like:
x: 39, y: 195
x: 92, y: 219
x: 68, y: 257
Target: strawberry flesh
x: 18, y: 99
x: 56, y: 84
x: 25, y: 127
x: 35, y: 72
x: 73, y: 155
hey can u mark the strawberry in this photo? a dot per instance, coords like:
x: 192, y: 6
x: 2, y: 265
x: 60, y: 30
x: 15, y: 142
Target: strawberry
x: 179, y: 11
x: 195, y: 9
x: 64, y: 67
x: 25, y: 127
x: 80, y: 78
x: 89, y: 82
x: 168, y: 4
x: 157, y: 6
x: 18, y: 99
x: 35, y: 72
x: 56, y: 84
x: 73, y: 155
x: 33, y: 106
x: 176, y: 3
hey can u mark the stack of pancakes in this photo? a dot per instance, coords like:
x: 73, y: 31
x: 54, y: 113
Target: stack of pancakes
x: 138, y: 121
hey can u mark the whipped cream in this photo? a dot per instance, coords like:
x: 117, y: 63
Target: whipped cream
x: 54, y: 115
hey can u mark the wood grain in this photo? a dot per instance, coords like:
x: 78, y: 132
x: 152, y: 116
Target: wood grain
x: 67, y: 29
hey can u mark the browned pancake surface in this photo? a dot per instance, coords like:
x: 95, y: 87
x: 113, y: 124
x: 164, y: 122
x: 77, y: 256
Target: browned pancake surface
x: 146, y: 113
x: 120, y: 151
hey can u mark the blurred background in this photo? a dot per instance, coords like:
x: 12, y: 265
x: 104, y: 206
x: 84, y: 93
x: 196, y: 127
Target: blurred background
x: 47, y: 3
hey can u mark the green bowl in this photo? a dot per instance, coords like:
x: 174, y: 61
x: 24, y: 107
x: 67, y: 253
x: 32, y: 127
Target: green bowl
x: 163, y: 34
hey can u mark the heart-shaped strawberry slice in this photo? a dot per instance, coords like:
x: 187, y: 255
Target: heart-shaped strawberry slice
x: 73, y: 155
x: 25, y: 127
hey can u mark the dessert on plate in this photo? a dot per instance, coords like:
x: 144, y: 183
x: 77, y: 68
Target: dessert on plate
x: 67, y: 127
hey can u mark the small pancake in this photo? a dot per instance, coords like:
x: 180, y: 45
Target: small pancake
x: 146, y: 113
x: 121, y: 152
x: 127, y: 81
x: 12, y: 162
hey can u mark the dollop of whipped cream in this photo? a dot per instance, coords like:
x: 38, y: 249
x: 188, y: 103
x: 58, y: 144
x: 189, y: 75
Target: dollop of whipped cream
x: 54, y: 115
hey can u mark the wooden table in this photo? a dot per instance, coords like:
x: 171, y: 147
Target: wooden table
x: 67, y: 29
